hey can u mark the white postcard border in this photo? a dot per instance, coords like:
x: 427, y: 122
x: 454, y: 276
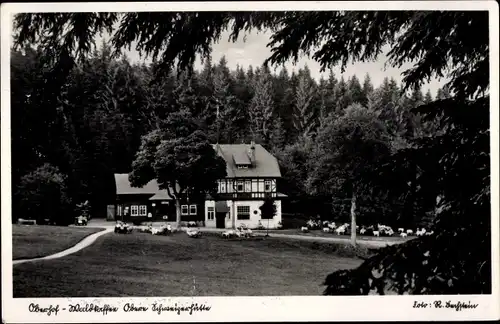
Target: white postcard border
x: 238, y: 309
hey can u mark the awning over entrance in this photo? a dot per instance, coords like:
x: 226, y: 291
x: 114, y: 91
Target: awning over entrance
x: 221, y: 207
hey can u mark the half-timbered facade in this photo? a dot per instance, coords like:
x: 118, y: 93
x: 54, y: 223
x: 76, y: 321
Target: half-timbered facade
x: 254, y: 188
x: 252, y: 174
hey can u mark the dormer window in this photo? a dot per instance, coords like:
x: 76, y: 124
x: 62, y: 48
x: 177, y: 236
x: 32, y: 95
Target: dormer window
x: 267, y: 185
x: 242, y: 160
x: 239, y: 186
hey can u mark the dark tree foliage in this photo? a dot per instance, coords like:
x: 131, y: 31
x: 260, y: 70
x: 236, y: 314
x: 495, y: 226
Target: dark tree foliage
x: 440, y: 161
x: 456, y: 260
x: 444, y: 262
x: 27, y: 92
x: 164, y: 35
x: 180, y: 157
x: 43, y: 195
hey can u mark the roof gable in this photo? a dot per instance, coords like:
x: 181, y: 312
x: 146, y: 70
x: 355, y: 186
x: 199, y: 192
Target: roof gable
x: 265, y: 165
x: 123, y: 187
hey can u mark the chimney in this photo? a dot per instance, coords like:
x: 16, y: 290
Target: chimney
x: 251, y: 153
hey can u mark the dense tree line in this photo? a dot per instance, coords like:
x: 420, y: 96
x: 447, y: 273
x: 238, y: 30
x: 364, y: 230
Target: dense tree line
x: 445, y: 176
x: 93, y: 127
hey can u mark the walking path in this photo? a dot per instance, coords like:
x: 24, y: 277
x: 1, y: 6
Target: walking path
x: 378, y: 243
x: 79, y: 246
x: 367, y: 243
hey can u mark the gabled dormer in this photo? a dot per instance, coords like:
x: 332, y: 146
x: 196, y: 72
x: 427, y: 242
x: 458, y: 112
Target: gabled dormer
x: 245, y: 159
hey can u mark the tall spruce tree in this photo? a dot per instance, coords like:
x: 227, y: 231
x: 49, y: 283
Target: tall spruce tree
x: 342, y: 95
x: 356, y: 91
x: 304, y: 113
x: 261, y: 107
x: 428, y: 97
x: 367, y: 88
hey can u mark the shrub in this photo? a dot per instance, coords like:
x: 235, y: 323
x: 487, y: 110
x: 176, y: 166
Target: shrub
x: 42, y: 194
x: 268, y: 209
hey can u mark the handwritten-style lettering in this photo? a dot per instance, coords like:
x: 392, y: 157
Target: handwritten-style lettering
x: 36, y: 308
x: 132, y: 308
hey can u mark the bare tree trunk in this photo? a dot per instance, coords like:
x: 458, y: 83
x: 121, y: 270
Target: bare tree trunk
x: 178, y: 213
x: 175, y: 194
x: 353, y: 219
x: 413, y: 188
x: 234, y: 216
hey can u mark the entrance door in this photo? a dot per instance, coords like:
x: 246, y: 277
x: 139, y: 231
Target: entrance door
x: 220, y: 220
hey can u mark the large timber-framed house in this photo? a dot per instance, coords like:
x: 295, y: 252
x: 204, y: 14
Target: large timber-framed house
x: 252, y: 174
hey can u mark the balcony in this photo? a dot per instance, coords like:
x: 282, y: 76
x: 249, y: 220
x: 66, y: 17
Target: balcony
x: 245, y: 195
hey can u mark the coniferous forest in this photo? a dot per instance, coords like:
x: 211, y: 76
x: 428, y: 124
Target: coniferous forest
x: 80, y: 137
x: 405, y: 157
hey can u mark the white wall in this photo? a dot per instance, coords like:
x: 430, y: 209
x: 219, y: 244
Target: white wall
x: 230, y: 215
x: 209, y: 223
x: 253, y: 222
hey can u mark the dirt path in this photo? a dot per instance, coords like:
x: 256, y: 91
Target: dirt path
x: 343, y: 240
x: 79, y: 246
x: 372, y: 244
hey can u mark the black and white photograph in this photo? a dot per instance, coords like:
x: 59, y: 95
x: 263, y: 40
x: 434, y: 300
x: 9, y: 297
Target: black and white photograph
x: 199, y: 150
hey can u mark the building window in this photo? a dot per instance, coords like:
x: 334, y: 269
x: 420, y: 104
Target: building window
x: 239, y: 186
x: 267, y: 185
x: 142, y: 210
x: 211, y: 213
x: 243, y: 212
x: 192, y: 210
x: 255, y: 185
x: 184, y: 210
x: 119, y: 210
x: 134, y: 210
x: 242, y: 166
x: 248, y: 186
x: 223, y: 187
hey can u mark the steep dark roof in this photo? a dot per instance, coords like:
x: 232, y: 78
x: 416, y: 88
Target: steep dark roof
x: 266, y: 165
x: 123, y: 187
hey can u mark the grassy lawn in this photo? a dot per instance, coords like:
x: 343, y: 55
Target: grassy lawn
x: 37, y: 240
x: 320, y: 233
x: 144, y: 265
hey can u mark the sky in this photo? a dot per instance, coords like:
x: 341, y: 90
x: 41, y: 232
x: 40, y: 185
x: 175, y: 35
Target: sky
x: 253, y: 51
